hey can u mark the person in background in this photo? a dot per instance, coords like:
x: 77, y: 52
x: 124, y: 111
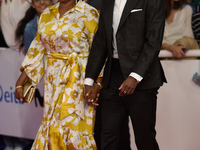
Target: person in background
x: 196, y: 3
x: 192, y: 4
x: 178, y: 26
x: 2, y: 40
x: 27, y: 27
x: 196, y: 21
x: 12, y: 11
x: 65, y: 34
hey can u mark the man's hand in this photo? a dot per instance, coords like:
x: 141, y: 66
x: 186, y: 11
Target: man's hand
x: 128, y: 86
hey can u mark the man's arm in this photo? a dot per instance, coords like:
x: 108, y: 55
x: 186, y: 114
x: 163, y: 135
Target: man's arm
x: 155, y: 20
x: 98, y: 53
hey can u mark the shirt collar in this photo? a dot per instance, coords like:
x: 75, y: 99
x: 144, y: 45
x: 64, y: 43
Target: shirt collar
x: 80, y: 7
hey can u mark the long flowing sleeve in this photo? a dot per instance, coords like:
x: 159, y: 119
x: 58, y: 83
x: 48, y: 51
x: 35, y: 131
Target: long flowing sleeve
x: 33, y: 63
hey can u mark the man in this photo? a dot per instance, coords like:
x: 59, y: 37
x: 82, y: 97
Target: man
x: 129, y: 37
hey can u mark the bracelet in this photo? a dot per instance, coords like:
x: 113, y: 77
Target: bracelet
x: 20, y: 86
x: 99, y: 85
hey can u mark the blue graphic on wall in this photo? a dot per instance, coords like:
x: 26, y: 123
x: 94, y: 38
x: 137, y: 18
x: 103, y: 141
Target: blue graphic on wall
x: 9, y: 97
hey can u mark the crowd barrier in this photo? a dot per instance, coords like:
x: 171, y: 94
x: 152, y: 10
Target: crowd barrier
x: 178, y: 105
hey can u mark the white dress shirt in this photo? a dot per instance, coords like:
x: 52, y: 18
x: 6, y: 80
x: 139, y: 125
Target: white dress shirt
x: 117, y: 13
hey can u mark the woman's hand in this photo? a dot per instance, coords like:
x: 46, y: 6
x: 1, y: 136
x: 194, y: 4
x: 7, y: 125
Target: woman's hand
x: 92, y: 94
x: 23, y: 78
x: 177, y: 51
x: 19, y: 93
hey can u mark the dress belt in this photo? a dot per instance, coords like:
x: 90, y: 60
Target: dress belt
x: 71, y: 65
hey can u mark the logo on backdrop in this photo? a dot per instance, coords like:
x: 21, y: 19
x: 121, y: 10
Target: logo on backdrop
x: 9, y: 97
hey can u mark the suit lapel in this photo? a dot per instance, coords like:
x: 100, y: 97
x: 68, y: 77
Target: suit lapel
x: 108, y: 14
x: 130, y: 4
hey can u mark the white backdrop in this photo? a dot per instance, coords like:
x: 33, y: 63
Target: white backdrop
x: 16, y: 119
x: 178, y: 108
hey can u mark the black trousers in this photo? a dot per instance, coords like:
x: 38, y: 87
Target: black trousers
x: 140, y: 106
x: 124, y: 143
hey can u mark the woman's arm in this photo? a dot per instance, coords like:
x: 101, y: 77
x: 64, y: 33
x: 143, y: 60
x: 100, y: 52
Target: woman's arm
x: 188, y: 21
x: 176, y: 50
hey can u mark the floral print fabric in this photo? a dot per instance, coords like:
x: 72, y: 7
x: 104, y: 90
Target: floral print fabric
x: 59, y: 53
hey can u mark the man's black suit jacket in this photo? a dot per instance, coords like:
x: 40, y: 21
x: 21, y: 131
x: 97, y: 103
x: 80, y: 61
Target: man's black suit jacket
x: 139, y: 39
x: 95, y: 3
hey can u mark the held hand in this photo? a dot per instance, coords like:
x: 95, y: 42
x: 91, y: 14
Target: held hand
x: 92, y: 94
x: 88, y: 90
x: 128, y: 86
x: 178, y: 52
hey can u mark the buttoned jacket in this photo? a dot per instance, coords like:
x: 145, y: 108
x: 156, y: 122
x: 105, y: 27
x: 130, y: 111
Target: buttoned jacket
x: 139, y: 39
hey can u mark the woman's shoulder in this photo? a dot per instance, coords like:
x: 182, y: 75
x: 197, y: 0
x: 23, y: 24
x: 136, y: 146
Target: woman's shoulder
x: 87, y: 8
x: 187, y: 8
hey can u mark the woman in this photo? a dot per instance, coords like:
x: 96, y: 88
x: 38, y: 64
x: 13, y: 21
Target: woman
x: 2, y: 40
x: 27, y: 27
x: 65, y: 33
x: 177, y: 25
x: 9, y: 20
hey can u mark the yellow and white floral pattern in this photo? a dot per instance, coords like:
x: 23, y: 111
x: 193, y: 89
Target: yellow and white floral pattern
x: 59, y: 52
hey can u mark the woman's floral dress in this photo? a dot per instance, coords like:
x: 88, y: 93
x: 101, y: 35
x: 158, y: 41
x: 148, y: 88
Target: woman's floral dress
x: 59, y: 52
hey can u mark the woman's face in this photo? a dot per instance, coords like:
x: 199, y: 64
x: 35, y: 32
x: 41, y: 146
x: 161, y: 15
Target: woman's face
x: 41, y: 5
x: 65, y: 1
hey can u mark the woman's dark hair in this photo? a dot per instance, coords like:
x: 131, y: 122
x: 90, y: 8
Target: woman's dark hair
x: 30, y: 13
x: 177, y: 5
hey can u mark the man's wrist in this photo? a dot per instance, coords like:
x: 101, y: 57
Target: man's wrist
x: 136, y: 76
x: 99, y: 84
x: 137, y: 81
x: 89, y: 81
